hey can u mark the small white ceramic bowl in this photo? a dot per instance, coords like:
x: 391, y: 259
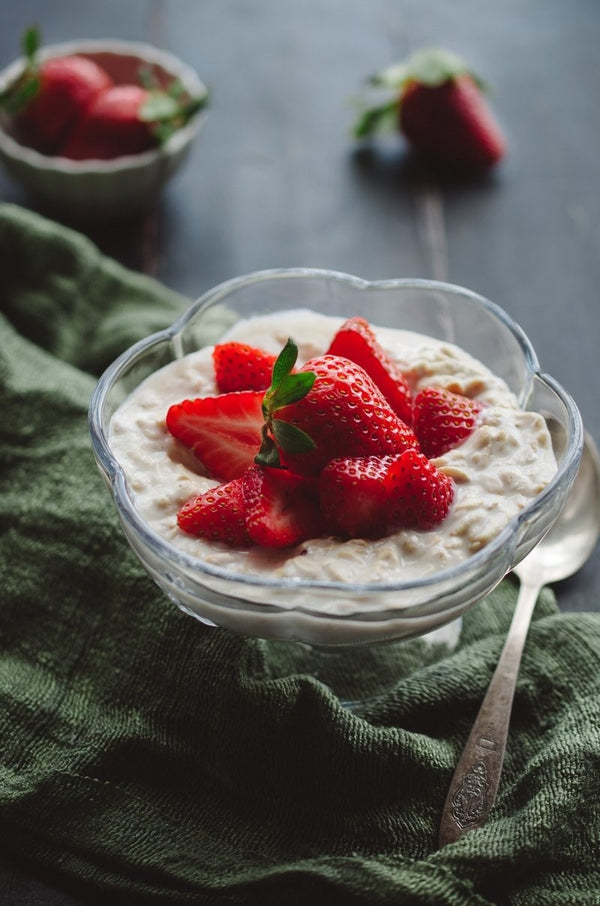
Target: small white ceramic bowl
x: 324, y: 612
x: 101, y: 189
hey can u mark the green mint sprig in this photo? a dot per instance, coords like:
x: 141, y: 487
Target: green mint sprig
x: 286, y: 388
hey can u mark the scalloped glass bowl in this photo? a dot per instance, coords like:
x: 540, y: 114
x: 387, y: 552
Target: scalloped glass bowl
x: 102, y: 189
x: 328, y: 613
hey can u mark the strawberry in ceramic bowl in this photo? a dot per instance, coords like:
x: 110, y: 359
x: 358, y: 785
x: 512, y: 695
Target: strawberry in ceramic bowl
x: 142, y: 107
x: 389, y: 534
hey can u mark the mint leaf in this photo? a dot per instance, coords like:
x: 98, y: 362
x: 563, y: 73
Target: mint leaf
x: 284, y: 362
x: 291, y: 438
x: 159, y: 106
x: 176, y: 89
x: 376, y: 119
x: 287, y: 387
x: 290, y: 389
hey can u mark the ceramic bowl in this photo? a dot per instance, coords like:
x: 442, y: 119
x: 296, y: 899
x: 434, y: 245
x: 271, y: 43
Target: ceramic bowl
x: 101, y: 189
x: 319, y: 611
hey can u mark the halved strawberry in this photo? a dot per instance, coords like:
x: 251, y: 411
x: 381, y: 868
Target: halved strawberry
x: 217, y: 515
x: 420, y: 495
x: 355, y: 340
x: 281, y: 507
x: 442, y: 419
x: 239, y: 366
x: 369, y: 497
x: 354, y: 496
x: 344, y: 413
x: 224, y: 431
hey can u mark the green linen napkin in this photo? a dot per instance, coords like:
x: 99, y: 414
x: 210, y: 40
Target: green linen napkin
x: 147, y: 759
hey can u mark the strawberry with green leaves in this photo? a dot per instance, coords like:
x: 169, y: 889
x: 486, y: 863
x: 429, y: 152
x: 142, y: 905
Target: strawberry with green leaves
x: 129, y: 119
x: 340, y: 413
x: 439, y: 106
x: 442, y: 419
x: 355, y: 340
x: 50, y: 96
x: 70, y: 107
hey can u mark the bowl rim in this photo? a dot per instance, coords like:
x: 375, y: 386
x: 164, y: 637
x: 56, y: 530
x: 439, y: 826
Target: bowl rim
x: 146, y: 52
x: 126, y: 508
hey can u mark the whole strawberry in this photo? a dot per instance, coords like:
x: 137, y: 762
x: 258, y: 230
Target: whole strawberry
x: 126, y: 119
x: 340, y: 412
x: 50, y: 96
x: 439, y: 106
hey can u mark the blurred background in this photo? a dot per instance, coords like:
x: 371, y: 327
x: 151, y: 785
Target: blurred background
x: 276, y: 179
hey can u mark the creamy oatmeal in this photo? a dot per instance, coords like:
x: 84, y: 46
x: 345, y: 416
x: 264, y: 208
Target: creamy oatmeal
x: 498, y: 470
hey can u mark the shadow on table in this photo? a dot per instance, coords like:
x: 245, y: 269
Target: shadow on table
x: 394, y: 168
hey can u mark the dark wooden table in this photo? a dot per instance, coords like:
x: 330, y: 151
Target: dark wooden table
x: 276, y: 180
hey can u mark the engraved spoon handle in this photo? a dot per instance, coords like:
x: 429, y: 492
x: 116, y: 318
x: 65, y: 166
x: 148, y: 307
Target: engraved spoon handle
x: 475, y: 782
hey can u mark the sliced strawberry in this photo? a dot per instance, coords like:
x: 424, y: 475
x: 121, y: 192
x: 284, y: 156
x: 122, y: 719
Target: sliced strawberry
x: 345, y: 414
x: 217, y: 515
x: 369, y: 497
x: 281, y: 507
x: 241, y: 367
x: 224, y: 431
x: 355, y: 340
x: 420, y: 495
x: 442, y: 420
x: 354, y: 494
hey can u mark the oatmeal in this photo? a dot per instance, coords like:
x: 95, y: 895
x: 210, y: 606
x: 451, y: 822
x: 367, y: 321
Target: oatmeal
x: 497, y: 470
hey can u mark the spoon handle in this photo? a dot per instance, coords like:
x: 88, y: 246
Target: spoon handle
x: 475, y: 782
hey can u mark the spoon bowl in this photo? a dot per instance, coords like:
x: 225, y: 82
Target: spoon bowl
x: 560, y: 553
x: 572, y: 538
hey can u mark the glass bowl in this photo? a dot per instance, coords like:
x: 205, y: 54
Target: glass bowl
x: 338, y: 613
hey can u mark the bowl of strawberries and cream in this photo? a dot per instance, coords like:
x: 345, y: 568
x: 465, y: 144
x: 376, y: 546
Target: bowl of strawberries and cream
x: 307, y: 455
x: 95, y: 128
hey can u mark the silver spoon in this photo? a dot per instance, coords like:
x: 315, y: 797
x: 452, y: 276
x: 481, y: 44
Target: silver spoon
x: 561, y: 553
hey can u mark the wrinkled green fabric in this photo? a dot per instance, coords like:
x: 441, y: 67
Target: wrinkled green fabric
x: 147, y: 759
